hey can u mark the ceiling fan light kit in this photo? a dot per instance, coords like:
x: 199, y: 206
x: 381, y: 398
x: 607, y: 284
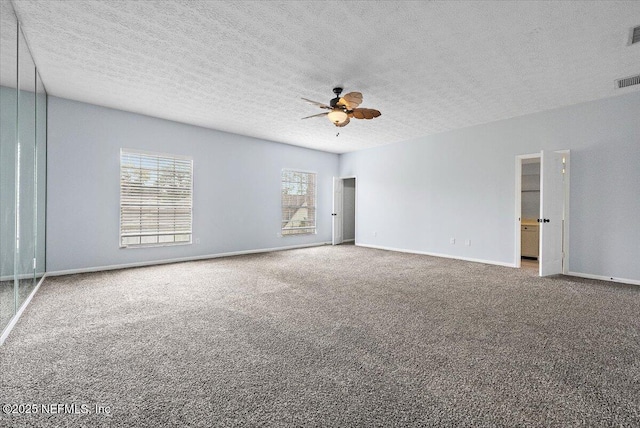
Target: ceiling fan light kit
x: 344, y: 108
x: 337, y: 116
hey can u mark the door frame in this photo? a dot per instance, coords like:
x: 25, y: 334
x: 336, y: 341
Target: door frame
x: 518, y: 208
x: 355, y: 220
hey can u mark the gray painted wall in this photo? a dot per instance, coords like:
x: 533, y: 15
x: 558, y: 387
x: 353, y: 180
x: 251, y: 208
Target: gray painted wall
x: 349, y: 209
x: 236, y: 196
x: 418, y: 194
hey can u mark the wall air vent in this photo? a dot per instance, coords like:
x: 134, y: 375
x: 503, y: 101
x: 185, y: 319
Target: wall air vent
x: 628, y: 81
x: 635, y: 35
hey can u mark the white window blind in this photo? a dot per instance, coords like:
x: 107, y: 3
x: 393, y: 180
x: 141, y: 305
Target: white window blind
x: 155, y: 199
x: 298, y: 202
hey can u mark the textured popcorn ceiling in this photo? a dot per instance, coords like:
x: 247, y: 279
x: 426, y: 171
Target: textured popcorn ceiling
x: 8, y: 46
x: 242, y: 67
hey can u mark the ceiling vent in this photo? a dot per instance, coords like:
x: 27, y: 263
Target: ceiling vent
x: 635, y: 35
x: 628, y: 81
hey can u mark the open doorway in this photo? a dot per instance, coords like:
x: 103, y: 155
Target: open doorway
x: 542, y: 184
x: 349, y: 210
x: 529, y: 213
x: 344, y: 210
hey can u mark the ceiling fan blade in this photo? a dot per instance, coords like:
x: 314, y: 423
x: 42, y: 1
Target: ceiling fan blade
x: 365, y: 113
x: 316, y: 115
x: 351, y: 100
x: 321, y: 105
x: 345, y: 123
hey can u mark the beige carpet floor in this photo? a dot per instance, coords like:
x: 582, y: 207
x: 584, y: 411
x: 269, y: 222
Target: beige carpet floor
x: 325, y: 336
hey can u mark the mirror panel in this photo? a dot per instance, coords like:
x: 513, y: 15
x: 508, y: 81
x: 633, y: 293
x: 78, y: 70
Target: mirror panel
x: 40, y: 176
x: 25, y: 166
x: 23, y: 146
x: 8, y: 138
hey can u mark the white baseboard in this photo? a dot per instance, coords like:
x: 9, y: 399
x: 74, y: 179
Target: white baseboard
x: 14, y: 320
x: 182, y: 259
x: 578, y: 274
x: 348, y: 240
x: 605, y: 278
x: 446, y: 256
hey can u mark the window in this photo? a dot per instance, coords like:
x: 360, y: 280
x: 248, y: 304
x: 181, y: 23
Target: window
x: 155, y: 199
x: 298, y: 202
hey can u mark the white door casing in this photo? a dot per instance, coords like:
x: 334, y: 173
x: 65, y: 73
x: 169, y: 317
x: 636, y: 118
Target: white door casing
x: 551, y: 213
x: 337, y: 233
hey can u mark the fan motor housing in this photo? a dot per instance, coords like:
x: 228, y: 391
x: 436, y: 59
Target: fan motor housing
x: 334, y: 101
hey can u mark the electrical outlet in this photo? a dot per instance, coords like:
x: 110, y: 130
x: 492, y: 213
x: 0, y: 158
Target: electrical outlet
x: 375, y: 234
x: 467, y: 242
x: 452, y: 241
x: 197, y: 240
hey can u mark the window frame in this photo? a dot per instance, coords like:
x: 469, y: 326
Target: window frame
x: 157, y: 155
x: 315, y: 204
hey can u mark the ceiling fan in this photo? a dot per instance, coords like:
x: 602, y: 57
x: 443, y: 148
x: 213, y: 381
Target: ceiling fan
x: 341, y: 109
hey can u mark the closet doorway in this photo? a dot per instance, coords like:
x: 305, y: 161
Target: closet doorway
x: 529, y: 213
x: 551, y: 200
x: 344, y: 210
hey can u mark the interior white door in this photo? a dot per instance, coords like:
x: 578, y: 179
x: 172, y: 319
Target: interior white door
x: 551, y: 213
x: 337, y: 233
